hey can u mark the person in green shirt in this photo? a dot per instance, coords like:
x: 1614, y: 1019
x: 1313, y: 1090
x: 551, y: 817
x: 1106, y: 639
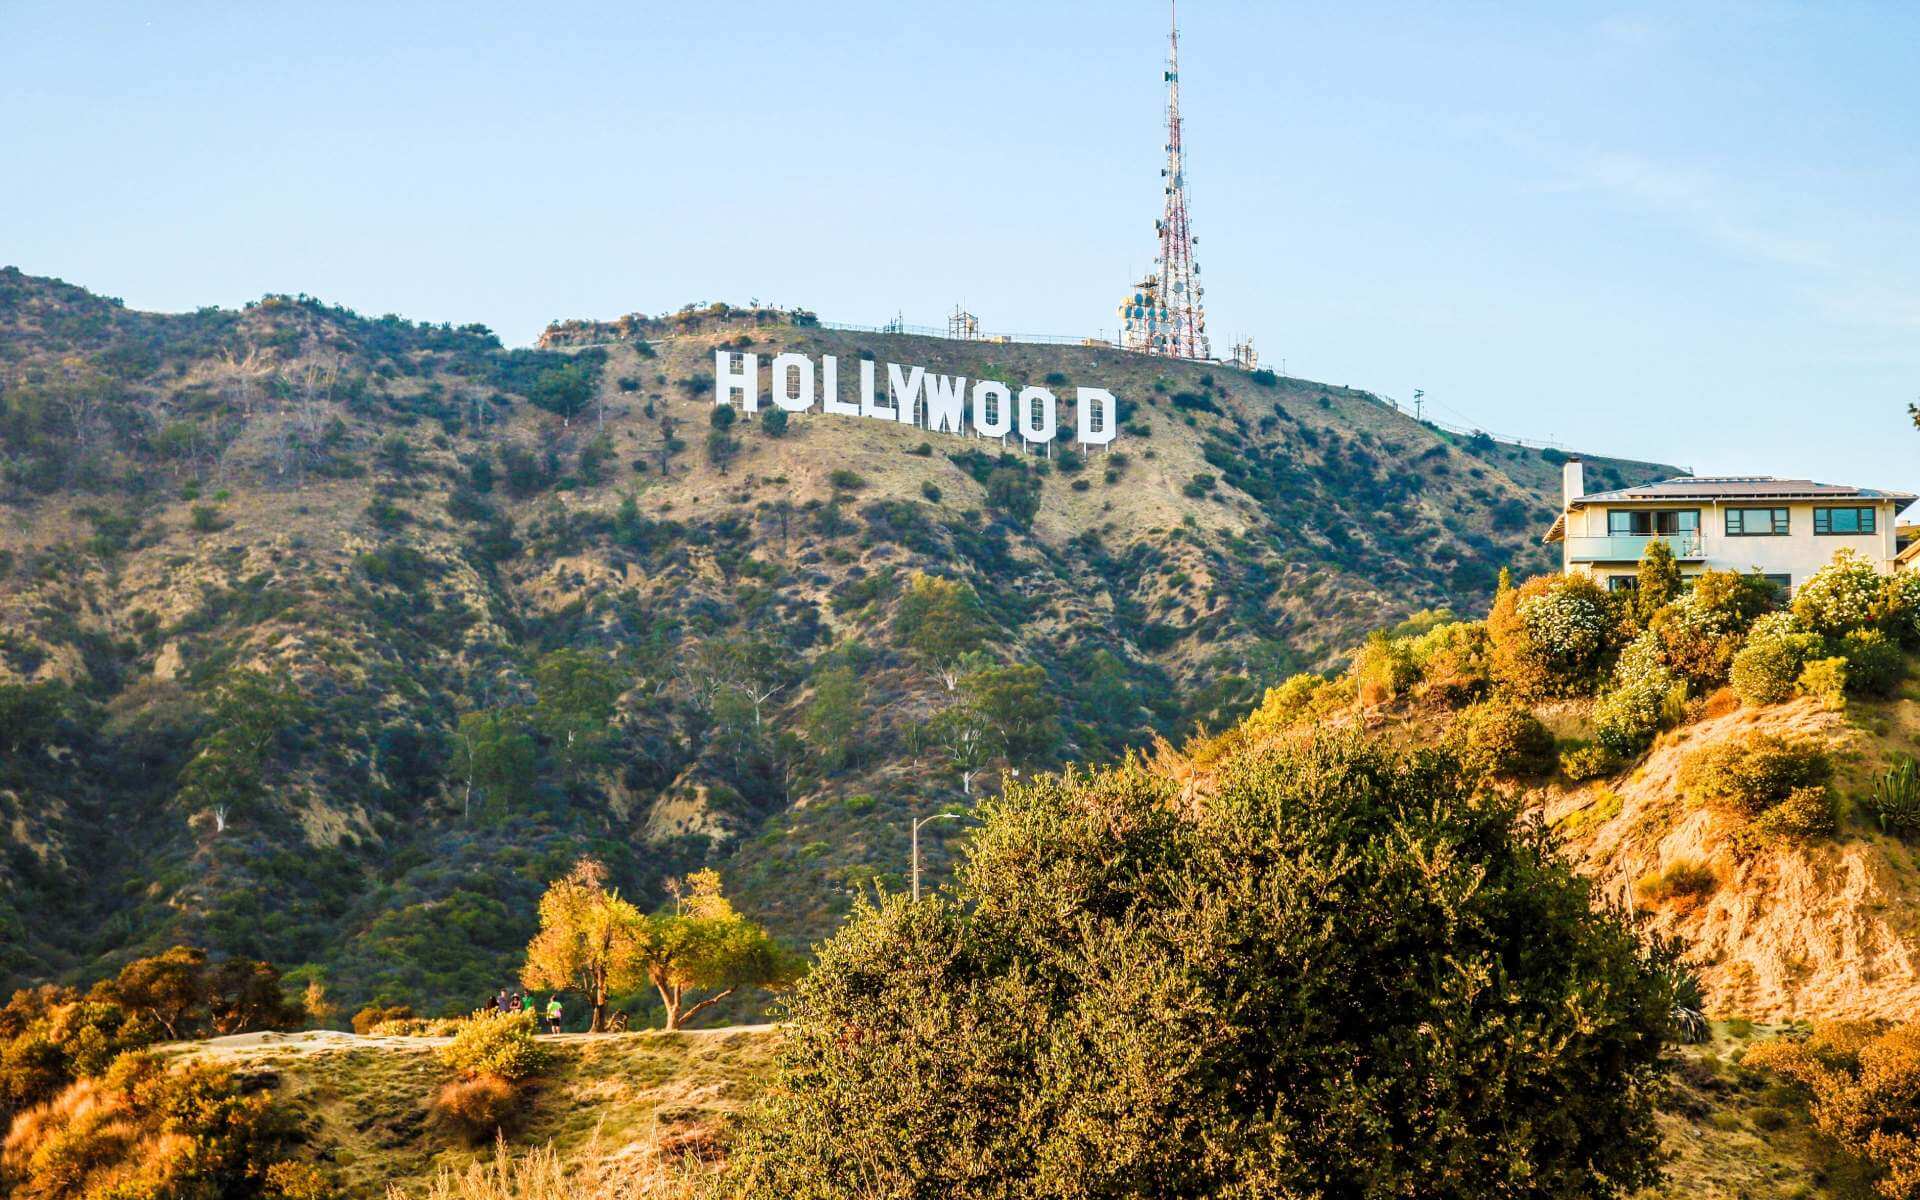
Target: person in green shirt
x: 553, y: 1014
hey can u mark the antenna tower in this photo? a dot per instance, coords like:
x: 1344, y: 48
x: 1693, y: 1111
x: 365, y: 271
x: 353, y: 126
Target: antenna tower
x: 1180, y: 287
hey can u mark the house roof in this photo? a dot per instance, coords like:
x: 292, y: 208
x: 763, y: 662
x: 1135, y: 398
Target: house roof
x: 1740, y: 487
x: 1732, y: 487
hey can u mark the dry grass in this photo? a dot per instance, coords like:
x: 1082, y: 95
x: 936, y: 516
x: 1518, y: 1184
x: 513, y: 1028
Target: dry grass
x: 655, y: 1105
x: 545, y: 1174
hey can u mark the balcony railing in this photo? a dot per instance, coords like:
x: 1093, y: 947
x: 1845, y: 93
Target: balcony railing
x: 1622, y: 548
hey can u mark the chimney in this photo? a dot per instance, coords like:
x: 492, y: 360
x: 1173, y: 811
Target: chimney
x: 1573, y: 480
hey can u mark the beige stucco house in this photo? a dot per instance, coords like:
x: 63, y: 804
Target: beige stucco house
x: 1785, y: 529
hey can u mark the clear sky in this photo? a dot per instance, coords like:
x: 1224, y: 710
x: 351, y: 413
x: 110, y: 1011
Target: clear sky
x: 1678, y: 230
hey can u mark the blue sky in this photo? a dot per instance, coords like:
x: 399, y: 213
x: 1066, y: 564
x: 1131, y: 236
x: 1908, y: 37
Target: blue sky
x: 1684, y: 231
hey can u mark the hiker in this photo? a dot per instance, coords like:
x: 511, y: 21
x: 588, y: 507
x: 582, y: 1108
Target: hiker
x: 553, y: 1013
x: 492, y: 1005
x: 500, y: 1001
x: 519, y: 1004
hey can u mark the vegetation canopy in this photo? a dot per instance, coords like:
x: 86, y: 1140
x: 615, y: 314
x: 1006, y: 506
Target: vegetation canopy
x: 1338, y: 973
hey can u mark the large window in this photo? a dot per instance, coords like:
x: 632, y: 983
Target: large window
x: 1837, y: 521
x: 1757, y: 522
x: 1666, y: 523
x: 1623, y: 583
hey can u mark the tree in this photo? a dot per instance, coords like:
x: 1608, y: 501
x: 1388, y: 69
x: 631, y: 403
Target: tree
x: 1011, y: 491
x: 1335, y: 972
x: 251, y: 710
x: 576, y: 692
x: 588, y: 941
x: 168, y: 989
x: 495, y: 755
x: 1658, y: 581
x: 964, y: 738
x: 705, y: 945
x: 940, y: 621
x: 833, y: 715
x: 1021, y: 717
x: 773, y: 422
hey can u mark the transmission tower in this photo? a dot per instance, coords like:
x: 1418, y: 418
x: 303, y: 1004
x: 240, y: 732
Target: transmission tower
x: 1164, y: 314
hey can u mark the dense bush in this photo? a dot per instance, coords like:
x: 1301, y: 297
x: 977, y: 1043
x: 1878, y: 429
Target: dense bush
x: 1748, y: 776
x: 1383, y: 669
x: 1806, y: 813
x: 1645, y: 697
x: 1582, y: 761
x: 1825, y: 679
x: 1875, y: 665
x: 1452, y: 660
x: 1699, y: 633
x: 495, y: 1043
x: 479, y: 1108
x: 375, y: 1015
x: 1901, y: 608
x: 1501, y: 738
x: 1842, y: 596
x: 1766, y: 670
x: 1864, y: 1083
x: 1131, y: 992
x: 146, y: 1130
x: 1551, y: 636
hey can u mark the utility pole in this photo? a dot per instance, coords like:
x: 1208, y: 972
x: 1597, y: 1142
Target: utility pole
x: 1419, y: 398
x: 916, y: 845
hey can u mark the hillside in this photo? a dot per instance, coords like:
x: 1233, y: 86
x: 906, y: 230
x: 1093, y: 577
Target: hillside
x: 637, y: 1114
x: 1823, y: 931
x: 330, y: 640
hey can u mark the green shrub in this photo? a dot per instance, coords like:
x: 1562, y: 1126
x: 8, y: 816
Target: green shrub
x: 1805, y: 814
x: 1125, y: 993
x: 496, y: 1044
x: 1383, y: 668
x: 1895, y: 799
x: 1588, y: 760
x: 1826, y: 680
x: 1900, y: 608
x: 374, y: 1015
x: 1501, y: 738
x: 1749, y: 776
x: 207, y: 519
x: 1551, y: 636
x: 773, y: 422
x: 1840, y: 597
x: 842, y: 479
x: 1645, y: 698
x: 1766, y: 671
x: 1699, y: 634
x: 1875, y: 665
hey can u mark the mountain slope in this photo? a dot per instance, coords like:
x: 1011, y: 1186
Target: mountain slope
x: 310, y: 620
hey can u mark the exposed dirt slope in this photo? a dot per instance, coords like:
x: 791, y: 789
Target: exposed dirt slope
x: 1819, y: 931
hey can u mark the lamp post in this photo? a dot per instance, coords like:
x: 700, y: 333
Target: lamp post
x: 916, y: 845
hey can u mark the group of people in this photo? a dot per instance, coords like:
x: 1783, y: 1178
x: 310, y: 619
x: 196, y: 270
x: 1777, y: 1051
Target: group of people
x: 514, y: 1002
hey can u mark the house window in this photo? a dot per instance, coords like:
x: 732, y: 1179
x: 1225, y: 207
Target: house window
x: 1836, y: 521
x: 1623, y: 583
x: 1757, y: 522
x: 1683, y: 522
x: 1783, y: 582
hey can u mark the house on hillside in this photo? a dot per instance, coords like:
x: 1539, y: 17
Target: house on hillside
x: 1785, y: 529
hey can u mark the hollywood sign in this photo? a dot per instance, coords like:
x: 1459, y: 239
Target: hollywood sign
x: 914, y: 396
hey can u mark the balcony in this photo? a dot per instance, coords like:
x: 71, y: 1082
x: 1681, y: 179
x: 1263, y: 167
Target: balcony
x: 1628, y: 548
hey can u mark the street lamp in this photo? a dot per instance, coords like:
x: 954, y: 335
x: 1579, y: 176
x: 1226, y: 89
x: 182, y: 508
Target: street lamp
x: 916, y: 845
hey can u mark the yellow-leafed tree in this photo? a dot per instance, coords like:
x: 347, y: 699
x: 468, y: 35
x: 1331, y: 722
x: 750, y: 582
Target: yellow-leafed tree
x: 588, y: 941
x: 704, y: 945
